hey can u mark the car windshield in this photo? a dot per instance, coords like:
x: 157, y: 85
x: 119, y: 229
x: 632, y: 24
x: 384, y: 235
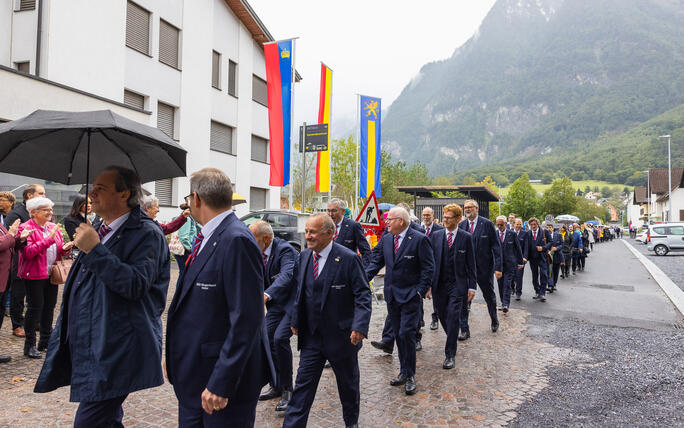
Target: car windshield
x: 251, y: 218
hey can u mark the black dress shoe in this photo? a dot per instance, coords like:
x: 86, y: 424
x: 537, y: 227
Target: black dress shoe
x: 517, y: 297
x: 326, y: 365
x: 495, y: 326
x: 505, y: 309
x: 410, y: 387
x: 536, y: 296
x: 464, y: 335
x: 284, y: 401
x: 32, y: 352
x: 42, y: 346
x: 353, y: 426
x: 399, y: 380
x: 5, y: 359
x: 542, y: 299
x: 448, y: 363
x: 270, y: 394
x: 433, y: 325
x: 419, y: 346
x: 385, y: 347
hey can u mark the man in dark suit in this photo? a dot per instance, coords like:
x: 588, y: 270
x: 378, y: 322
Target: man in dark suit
x: 348, y: 232
x: 511, y: 255
x: 430, y: 226
x: 455, y: 279
x: 511, y: 221
x: 539, y: 243
x: 108, y: 339
x: 487, y: 259
x: 280, y: 265
x: 524, y: 242
x: 331, y: 316
x: 409, y: 261
x: 557, y: 256
x: 17, y: 287
x: 216, y: 349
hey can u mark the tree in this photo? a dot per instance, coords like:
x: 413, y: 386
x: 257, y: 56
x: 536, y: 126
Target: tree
x: 605, y: 191
x: 522, y: 199
x: 546, y: 178
x: 343, y: 169
x: 579, y: 192
x: 587, y: 210
x: 587, y: 189
x: 560, y: 197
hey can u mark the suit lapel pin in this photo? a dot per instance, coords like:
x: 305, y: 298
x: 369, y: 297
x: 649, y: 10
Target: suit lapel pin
x: 337, y: 259
x: 409, y: 237
x: 214, y: 243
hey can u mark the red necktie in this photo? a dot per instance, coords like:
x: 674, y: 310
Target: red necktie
x: 427, y: 231
x: 104, y: 230
x: 450, y: 239
x: 534, y: 235
x: 471, y: 227
x: 502, y: 236
x: 337, y: 232
x: 265, y: 259
x: 315, y: 265
x: 195, y: 249
x: 396, y: 243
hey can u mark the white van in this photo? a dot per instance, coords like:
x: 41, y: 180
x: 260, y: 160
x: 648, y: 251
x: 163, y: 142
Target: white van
x: 666, y: 237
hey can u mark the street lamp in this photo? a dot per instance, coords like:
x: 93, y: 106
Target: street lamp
x: 648, y: 193
x: 669, y: 177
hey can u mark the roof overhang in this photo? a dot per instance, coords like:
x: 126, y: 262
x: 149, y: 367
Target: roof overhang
x: 482, y: 193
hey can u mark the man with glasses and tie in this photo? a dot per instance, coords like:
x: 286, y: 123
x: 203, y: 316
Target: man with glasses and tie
x: 348, y: 232
x: 430, y: 226
x: 512, y: 261
x: 521, y: 234
x: 330, y: 318
x: 280, y: 269
x: 409, y: 261
x: 487, y: 259
x: 454, y: 283
x: 108, y: 339
x: 539, y: 241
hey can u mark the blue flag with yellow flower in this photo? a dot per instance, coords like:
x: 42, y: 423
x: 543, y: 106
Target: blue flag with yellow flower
x: 370, y: 147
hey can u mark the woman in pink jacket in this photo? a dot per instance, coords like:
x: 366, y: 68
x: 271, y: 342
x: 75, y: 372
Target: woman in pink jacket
x: 43, y: 248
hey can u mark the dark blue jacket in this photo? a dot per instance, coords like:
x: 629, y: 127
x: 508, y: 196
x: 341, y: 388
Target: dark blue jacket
x: 487, y: 248
x: 434, y: 228
x: 576, y: 243
x: 510, y: 250
x: 409, y: 272
x: 524, y: 242
x: 543, y: 240
x: 279, y: 280
x: 557, y: 241
x: 351, y: 236
x: 214, y: 334
x: 118, y: 343
x: 345, y: 302
x: 464, y: 261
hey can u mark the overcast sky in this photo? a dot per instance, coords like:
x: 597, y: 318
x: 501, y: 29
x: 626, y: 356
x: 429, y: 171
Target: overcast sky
x: 374, y: 47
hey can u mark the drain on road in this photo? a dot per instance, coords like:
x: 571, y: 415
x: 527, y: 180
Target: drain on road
x: 616, y: 287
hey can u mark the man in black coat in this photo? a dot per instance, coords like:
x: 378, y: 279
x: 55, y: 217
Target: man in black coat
x: 521, y: 234
x: 330, y: 317
x: 17, y: 287
x: 280, y: 265
x: 455, y: 278
x: 430, y: 226
x: 539, y: 243
x: 557, y: 256
x: 512, y: 257
x: 487, y: 259
x: 348, y: 232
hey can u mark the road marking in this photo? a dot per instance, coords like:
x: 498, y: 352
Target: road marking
x: 673, y: 292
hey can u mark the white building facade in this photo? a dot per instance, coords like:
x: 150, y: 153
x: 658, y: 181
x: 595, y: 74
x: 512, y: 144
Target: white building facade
x: 193, y: 68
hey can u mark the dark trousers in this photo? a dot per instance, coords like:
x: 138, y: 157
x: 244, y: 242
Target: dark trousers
x: 575, y: 263
x: 311, y: 362
x: 486, y: 284
x: 435, y: 318
x: 565, y: 268
x: 17, y: 297
x: 234, y: 415
x: 449, y: 303
x: 181, y: 262
x: 540, y: 278
x: 583, y: 260
x: 505, y: 284
x: 107, y: 413
x: 404, y: 319
x: 388, y: 331
x: 41, y: 297
x: 555, y: 271
x: 279, y: 333
x: 518, y: 281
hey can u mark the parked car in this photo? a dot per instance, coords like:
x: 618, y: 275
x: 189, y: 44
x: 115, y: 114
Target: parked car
x: 642, y: 235
x: 283, y: 222
x: 666, y: 237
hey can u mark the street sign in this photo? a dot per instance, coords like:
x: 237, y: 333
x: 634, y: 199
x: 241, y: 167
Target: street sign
x: 316, y: 138
x: 369, y: 216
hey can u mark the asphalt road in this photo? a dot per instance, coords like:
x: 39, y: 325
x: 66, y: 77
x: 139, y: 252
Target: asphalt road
x: 672, y: 264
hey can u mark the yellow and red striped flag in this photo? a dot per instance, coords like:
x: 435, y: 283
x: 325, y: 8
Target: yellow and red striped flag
x: 324, y: 108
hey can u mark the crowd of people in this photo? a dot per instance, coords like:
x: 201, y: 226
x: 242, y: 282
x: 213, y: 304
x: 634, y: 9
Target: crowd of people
x: 242, y: 293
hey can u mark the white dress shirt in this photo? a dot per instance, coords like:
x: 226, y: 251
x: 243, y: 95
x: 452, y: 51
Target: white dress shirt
x: 323, y: 257
x: 211, y: 226
x: 401, y: 237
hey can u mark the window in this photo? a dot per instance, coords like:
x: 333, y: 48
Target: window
x: 259, y: 93
x: 216, y: 70
x: 232, y: 78
x: 257, y: 198
x: 163, y: 190
x: 168, y: 44
x: 27, y: 5
x: 675, y: 230
x: 259, y: 149
x: 137, y: 28
x: 282, y: 220
x: 659, y: 230
x: 134, y: 100
x: 24, y: 66
x: 221, y: 138
x: 252, y: 218
x: 165, y: 115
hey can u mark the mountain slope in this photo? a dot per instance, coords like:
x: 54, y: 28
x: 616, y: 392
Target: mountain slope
x: 541, y: 76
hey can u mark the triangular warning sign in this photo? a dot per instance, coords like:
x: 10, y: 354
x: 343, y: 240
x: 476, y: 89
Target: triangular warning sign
x: 369, y: 214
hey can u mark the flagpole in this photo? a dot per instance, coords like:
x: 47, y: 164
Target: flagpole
x: 330, y: 136
x: 292, y: 119
x: 358, y: 146
x: 281, y: 40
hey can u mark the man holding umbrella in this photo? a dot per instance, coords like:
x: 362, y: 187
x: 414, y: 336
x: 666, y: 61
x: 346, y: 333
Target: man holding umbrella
x: 107, y: 341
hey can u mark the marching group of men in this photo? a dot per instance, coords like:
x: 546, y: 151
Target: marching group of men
x: 245, y: 292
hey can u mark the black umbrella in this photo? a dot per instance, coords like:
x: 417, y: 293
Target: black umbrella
x: 70, y: 147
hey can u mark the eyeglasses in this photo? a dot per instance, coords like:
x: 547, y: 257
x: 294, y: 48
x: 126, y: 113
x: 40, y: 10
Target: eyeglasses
x: 334, y: 210
x: 390, y: 219
x: 469, y: 207
x: 47, y: 210
x: 186, y: 198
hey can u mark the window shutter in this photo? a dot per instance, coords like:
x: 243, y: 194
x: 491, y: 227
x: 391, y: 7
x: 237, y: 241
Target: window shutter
x: 165, y: 118
x: 259, y: 149
x: 163, y: 190
x: 232, y: 78
x: 216, y: 70
x: 134, y: 100
x: 168, y: 44
x: 257, y: 198
x: 221, y: 139
x: 259, y: 93
x: 27, y: 4
x: 137, y: 28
